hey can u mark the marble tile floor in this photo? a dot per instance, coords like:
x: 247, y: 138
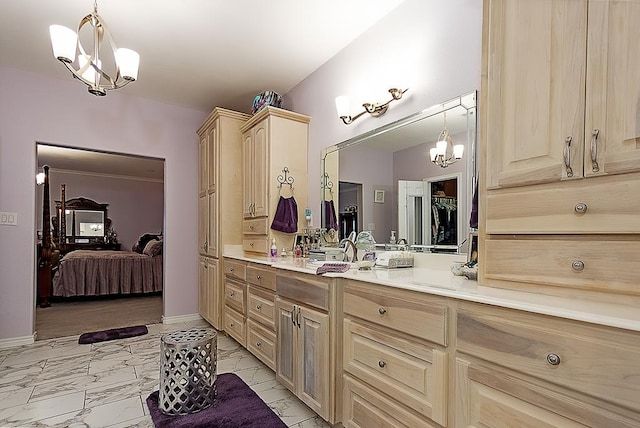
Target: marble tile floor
x: 59, y: 383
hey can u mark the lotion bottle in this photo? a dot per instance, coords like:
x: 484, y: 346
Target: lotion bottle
x: 274, y: 248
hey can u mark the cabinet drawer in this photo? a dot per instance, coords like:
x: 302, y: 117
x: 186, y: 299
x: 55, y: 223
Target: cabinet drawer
x: 303, y: 288
x: 234, y: 325
x: 362, y: 407
x: 556, y: 208
x: 256, y: 245
x: 235, y: 269
x: 576, y: 262
x: 261, y: 276
x: 262, y: 343
x: 234, y: 292
x: 257, y: 226
x: 408, y: 312
x: 261, y: 306
x: 595, y: 360
x: 413, y: 374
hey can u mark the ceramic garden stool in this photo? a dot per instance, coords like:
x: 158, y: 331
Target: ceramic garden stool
x: 187, y: 370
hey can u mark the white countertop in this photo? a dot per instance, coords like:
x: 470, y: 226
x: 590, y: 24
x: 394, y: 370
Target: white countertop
x: 440, y: 281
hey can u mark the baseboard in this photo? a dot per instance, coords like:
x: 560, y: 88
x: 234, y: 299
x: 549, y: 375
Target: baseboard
x: 181, y: 318
x: 17, y: 341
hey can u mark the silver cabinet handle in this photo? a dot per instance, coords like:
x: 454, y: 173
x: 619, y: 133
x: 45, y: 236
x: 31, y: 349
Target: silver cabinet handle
x: 258, y: 344
x: 553, y: 359
x: 381, y: 364
x: 258, y: 307
x: 258, y: 277
x: 594, y: 150
x: 577, y: 265
x: 580, y: 208
x: 382, y: 310
x: 206, y: 246
x: 251, y: 244
x: 231, y: 325
x: 232, y: 294
x: 231, y: 270
x: 298, y: 316
x: 567, y: 156
x: 293, y: 315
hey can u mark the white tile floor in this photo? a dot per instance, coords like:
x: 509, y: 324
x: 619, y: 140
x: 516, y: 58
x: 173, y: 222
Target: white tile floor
x: 59, y: 383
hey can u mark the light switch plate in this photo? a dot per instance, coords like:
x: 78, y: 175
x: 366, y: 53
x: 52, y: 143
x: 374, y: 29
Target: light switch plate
x: 9, y: 219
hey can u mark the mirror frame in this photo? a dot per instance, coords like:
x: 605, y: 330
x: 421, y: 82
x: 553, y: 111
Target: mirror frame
x: 468, y: 101
x: 81, y: 204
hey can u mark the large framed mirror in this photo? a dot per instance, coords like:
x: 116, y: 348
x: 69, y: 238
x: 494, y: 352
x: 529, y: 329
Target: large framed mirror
x: 385, y: 181
x: 85, y: 222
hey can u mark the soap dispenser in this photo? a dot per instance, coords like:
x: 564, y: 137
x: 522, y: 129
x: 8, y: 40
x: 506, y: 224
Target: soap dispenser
x: 274, y: 249
x: 392, y: 239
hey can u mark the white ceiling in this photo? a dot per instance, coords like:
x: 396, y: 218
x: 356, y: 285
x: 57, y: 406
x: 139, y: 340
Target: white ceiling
x: 197, y: 53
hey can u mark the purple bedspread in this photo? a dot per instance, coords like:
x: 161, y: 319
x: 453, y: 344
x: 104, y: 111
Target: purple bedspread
x: 97, y: 273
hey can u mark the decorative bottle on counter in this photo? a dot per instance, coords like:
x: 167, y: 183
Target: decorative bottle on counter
x: 274, y: 249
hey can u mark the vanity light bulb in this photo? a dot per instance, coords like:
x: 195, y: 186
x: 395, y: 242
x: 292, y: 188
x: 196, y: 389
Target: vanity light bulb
x: 441, y: 147
x: 342, y: 105
x: 458, y: 149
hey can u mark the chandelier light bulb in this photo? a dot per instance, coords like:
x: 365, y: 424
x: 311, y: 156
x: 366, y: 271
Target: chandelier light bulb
x: 64, y: 42
x: 458, y: 149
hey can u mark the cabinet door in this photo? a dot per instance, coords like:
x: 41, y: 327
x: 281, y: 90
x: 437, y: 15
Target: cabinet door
x: 287, y: 341
x: 203, y: 223
x: 261, y: 169
x: 313, y: 354
x: 212, y: 224
x: 214, y: 294
x: 213, y: 155
x: 203, y: 164
x: 535, y: 80
x: 247, y: 174
x: 613, y: 88
x: 203, y: 280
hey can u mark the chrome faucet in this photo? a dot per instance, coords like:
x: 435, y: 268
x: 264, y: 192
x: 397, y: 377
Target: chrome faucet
x: 348, y: 243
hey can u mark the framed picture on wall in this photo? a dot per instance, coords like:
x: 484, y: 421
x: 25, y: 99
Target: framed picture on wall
x: 378, y: 197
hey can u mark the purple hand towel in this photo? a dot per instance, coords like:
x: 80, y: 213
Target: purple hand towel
x: 286, y: 217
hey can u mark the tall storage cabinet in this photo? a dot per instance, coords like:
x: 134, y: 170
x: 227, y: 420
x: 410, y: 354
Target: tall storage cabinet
x: 220, y: 187
x: 274, y: 146
x: 560, y: 135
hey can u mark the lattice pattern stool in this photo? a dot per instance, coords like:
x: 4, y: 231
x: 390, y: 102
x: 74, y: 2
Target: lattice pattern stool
x: 188, y: 360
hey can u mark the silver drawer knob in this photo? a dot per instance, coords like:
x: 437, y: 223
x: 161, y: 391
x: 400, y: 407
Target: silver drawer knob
x: 577, y: 265
x: 258, y: 277
x: 258, y: 307
x: 258, y: 344
x: 382, y: 310
x: 381, y: 364
x: 580, y: 208
x: 553, y: 359
x: 232, y: 294
x: 231, y: 270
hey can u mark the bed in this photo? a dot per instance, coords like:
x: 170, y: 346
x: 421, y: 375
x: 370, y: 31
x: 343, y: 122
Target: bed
x: 100, y: 273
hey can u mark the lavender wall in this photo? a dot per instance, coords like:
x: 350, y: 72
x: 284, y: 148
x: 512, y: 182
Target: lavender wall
x: 135, y: 206
x: 432, y: 47
x: 33, y: 108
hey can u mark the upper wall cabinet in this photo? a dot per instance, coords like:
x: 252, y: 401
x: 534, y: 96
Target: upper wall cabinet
x: 562, y: 90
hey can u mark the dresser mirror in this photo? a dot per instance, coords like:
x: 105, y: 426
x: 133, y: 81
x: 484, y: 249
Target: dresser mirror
x: 85, y: 221
x: 384, y: 180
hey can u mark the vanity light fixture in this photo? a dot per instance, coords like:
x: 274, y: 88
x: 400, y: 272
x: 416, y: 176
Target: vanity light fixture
x: 445, y: 152
x: 88, y: 66
x: 40, y: 178
x: 376, y: 110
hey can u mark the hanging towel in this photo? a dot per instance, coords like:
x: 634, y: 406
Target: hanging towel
x: 286, y: 217
x: 330, y: 215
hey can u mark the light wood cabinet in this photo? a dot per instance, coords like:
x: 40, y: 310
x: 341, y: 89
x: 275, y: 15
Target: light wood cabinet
x: 272, y: 140
x: 520, y: 369
x: 303, y: 354
x: 559, y: 149
x: 394, y: 350
x: 261, y: 313
x: 208, y: 275
x: 219, y: 188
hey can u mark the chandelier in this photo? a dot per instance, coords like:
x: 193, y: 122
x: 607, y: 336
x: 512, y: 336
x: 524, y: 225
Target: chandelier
x: 87, y: 66
x: 445, y: 152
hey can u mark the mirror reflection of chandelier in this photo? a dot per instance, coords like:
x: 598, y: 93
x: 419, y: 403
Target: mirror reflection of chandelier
x: 87, y: 66
x: 445, y: 152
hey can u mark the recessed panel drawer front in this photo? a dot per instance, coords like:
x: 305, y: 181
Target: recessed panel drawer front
x: 234, y: 295
x: 408, y: 312
x: 412, y: 373
x: 602, y: 362
x: 261, y: 307
x: 261, y: 276
x: 594, y: 205
x: 303, y: 288
x: 257, y: 226
x: 589, y: 264
x: 235, y: 269
x: 255, y: 245
x: 365, y: 408
x: 262, y: 343
x: 234, y: 325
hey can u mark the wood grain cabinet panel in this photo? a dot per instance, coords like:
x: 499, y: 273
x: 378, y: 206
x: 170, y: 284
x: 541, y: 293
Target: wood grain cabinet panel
x: 234, y: 325
x: 261, y: 307
x: 235, y: 295
x: 264, y: 277
x: 261, y: 342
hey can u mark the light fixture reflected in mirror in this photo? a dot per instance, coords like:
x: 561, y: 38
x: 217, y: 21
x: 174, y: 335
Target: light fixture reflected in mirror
x: 88, y: 69
x: 343, y: 105
x: 40, y: 178
x: 445, y: 152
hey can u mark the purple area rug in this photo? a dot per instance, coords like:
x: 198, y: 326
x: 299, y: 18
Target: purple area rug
x: 113, y: 334
x: 235, y: 406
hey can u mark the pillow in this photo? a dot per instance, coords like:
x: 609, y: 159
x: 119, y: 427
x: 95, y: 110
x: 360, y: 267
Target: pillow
x: 139, y: 246
x: 153, y: 248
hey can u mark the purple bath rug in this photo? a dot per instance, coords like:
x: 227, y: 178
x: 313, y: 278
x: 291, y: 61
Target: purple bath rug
x: 113, y: 334
x: 235, y: 406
